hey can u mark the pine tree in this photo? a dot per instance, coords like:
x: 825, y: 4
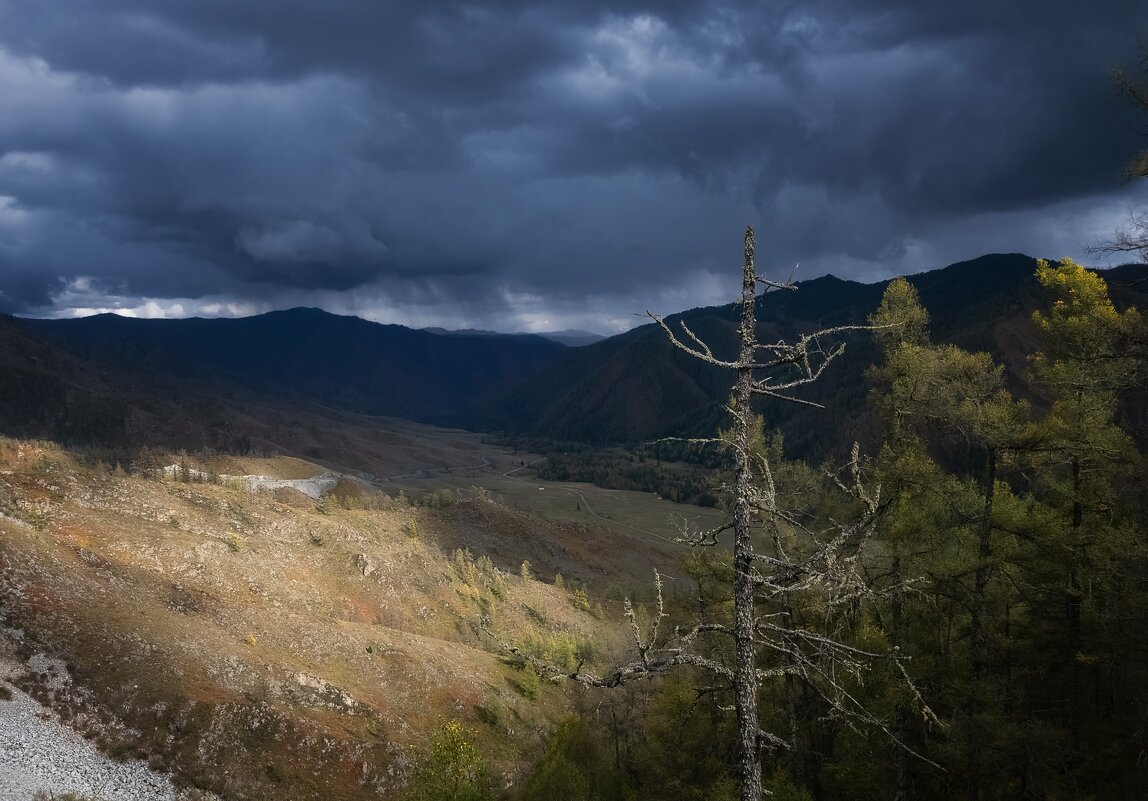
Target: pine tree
x: 1083, y: 367
x: 945, y: 519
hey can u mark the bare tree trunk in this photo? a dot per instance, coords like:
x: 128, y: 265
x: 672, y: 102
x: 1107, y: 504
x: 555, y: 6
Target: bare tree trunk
x: 788, y: 366
x: 745, y: 668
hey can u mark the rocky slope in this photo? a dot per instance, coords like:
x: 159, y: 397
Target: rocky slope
x: 39, y: 753
x: 262, y: 644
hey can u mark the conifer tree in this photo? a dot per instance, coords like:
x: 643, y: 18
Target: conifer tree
x: 945, y: 520
x: 1084, y: 365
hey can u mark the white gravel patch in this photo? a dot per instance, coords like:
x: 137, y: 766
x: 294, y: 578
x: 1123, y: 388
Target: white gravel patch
x: 38, y: 752
x: 315, y: 487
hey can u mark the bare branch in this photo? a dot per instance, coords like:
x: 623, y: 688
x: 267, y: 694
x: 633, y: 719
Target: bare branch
x: 856, y: 710
x: 705, y: 348
x: 651, y: 667
x: 823, y: 640
x: 1132, y: 237
x: 771, y: 742
x: 707, y: 538
x: 704, y: 355
x: 771, y: 284
x: 927, y: 713
x: 787, y: 398
x: 689, y: 440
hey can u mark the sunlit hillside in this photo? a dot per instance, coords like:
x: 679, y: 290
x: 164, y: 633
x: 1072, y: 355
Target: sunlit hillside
x: 265, y: 644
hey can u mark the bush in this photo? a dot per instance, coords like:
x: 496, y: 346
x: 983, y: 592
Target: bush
x: 530, y: 683
x: 558, y: 648
x: 580, y: 600
x: 453, y: 770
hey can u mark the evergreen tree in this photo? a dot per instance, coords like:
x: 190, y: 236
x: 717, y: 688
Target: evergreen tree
x: 953, y: 427
x: 1083, y: 367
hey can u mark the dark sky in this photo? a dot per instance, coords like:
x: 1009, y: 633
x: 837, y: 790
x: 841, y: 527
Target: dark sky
x: 534, y: 166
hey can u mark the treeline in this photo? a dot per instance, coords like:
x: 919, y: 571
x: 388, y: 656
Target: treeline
x: 681, y: 470
x: 1010, y: 565
x: 679, y: 482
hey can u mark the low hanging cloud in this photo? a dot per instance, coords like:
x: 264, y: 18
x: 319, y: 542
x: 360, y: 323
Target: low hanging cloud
x: 559, y: 164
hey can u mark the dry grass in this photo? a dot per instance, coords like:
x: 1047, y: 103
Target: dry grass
x: 286, y: 467
x: 287, y: 650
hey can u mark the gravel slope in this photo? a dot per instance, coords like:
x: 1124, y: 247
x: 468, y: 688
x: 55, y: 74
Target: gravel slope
x: 37, y: 752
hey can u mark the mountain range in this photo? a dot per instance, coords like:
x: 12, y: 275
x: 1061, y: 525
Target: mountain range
x: 108, y: 380
x: 637, y: 386
x: 571, y: 337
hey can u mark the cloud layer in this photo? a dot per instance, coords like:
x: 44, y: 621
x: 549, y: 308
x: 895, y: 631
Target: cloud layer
x: 526, y: 165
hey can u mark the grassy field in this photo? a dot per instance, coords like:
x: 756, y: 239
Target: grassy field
x: 640, y: 515
x: 463, y: 460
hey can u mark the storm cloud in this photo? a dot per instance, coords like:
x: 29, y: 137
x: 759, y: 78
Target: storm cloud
x: 519, y: 165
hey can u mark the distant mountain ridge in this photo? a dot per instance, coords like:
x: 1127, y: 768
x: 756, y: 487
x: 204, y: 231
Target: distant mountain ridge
x: 86, y: 377
x: 307, y: 354
x: 637, y: 387
x: 571, y: 337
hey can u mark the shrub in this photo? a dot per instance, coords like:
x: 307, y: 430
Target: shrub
x: 558, y: 648
x: 530, y: 683
x: 580, y: 600
x: 453, y: 769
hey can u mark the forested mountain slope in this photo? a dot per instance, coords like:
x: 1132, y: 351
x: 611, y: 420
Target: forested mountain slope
x: 636, y: 386
x: 307, y: 354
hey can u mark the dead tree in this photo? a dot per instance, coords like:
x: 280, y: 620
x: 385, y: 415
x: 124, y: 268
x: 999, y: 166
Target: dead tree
x: 1132, y: 238
x: 767, y: 581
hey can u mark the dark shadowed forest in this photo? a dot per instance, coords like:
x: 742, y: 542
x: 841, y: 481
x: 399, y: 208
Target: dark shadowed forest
x: 1009, y: 566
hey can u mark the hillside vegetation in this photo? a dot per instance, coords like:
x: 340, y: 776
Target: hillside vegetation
x: 266, y: 645
x: 636, y: 387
